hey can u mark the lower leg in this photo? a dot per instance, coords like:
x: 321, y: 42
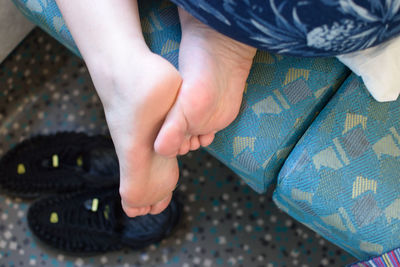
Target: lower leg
x: 122, y: 68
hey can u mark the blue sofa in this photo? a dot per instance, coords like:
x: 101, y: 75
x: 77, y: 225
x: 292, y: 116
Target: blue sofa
x: 307, y: 125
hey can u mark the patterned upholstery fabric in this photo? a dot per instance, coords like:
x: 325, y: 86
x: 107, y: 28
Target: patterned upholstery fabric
x: 47, y: 16
x: 282, y: 97
x: 342, y: 178
x: 283, y: 94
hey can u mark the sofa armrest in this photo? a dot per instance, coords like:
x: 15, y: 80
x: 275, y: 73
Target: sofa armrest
x: 13, y: 28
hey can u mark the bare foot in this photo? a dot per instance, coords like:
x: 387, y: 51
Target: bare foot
x: 137, y: 89
x: 214, y: 69
x: 137, y: 92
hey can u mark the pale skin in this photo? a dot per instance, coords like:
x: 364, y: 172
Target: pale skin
x: 151, y: 121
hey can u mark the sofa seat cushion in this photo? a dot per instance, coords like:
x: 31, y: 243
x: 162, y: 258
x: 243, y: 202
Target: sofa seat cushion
x: 282, y: 95
x: 342, y: 178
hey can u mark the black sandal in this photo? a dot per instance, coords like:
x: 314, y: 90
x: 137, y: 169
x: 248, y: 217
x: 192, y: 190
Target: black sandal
x: 62, y: 162
x: 93, y: 221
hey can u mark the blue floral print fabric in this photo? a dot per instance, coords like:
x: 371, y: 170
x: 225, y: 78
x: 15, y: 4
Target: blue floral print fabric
x: 301, y: 27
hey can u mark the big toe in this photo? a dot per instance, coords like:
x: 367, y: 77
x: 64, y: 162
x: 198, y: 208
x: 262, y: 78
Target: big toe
x: 172, y: 133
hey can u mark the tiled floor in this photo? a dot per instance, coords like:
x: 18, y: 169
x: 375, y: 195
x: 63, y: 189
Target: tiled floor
x: 44, y: 88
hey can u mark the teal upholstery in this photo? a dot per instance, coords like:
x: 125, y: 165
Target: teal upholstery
x: 342, y: 178
x: 282, y: 97
x: 47, y: 16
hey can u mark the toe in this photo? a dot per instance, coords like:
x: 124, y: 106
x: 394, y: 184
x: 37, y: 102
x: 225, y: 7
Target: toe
x: 161, y: 206
x: 194, y: 143
x: 172, y: 133
x: 130, y: 211
x: 185, y: 147
x: 144, y: 210
x: 134, y: 212
x: 206, y: 140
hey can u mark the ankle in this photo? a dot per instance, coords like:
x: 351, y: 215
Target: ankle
x: 109, y: 58
x: 109, y: 68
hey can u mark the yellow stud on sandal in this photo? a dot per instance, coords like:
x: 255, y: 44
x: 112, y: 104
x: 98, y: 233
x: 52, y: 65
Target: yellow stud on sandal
x: 79, y: 161
x: 95, y: 204
x: 21, y: 168
x: 54, y: 217
x: 55, y: 161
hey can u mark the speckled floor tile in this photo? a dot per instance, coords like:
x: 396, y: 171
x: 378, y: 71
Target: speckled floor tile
x: 44, y: 89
